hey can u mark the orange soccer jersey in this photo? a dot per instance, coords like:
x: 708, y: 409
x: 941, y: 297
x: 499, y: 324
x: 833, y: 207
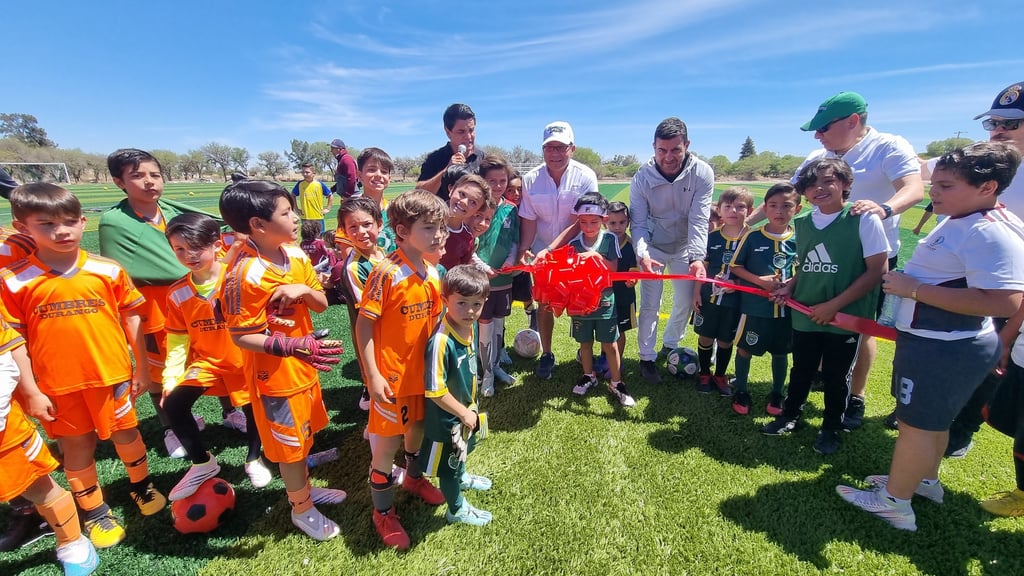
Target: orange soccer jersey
x: 248, y: 285
x: 410, y: 305
x: 14, y: 246
x: 72, y: 321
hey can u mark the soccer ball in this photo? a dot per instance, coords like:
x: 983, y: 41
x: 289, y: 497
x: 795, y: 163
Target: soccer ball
x: 682, y: 362
x: 205, y: 510
x: 527, y: 343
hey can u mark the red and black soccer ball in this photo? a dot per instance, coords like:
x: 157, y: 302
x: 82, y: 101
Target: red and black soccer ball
x: 205, y: 510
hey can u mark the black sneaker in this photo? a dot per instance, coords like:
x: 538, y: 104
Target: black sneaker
x: 891, y: 422
x: 827, y: 442
x: 959, y: 445
x: 546, y: 366
x: 818, y: 383
x: 664, y: 352
x: 853, y: 418
x: 649, y: 371
x: 24, y: 527
x: 782, y: 426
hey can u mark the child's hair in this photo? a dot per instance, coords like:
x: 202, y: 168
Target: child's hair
x: 478, y: 181
x: 413, y: 206
x: 199, y: 231
x: 780, y: 188
x: 310, y: 230
x: 595, y: 199
x: 453, y: 174
x: 465, y: 280
x: 616, y: 207
x: 359, y: 204
x: 328, y: 237
x: 377, y: 154
x: 810, y: 173
x: 981, y: 162
x: 494, y: 162
x: 456, y: 112
x: 737, y: 193
x: 306, y: 165
x: 43, y: 198
x: 119, y: 159
x: 714, y: 217
x: 247, y: 199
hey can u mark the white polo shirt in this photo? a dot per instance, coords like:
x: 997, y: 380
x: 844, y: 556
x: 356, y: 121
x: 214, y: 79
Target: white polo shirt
x: 552, y: 206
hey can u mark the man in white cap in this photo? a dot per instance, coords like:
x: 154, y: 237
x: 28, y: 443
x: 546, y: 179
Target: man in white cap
x: 345, y: 172
x: 550, y: 192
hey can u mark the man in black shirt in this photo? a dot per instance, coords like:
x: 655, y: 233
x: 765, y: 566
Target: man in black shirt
x: 460, y: 127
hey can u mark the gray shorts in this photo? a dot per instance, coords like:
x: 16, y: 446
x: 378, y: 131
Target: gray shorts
x: 932, y: 380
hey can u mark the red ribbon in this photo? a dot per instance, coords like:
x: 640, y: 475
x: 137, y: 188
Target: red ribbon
x: 569, y: 283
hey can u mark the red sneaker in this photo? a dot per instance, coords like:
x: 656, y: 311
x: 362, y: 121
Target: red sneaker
x: 722, y: 385
x: 390, y: 529
x: 424, y: 489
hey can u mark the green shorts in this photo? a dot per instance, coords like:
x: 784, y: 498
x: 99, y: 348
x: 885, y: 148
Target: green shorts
x: 758, y: 335
x: 604, y: 330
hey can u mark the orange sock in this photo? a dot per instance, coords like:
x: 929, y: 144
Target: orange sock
x: 133, y: 454
x: 85, y: 487
x: 300, y: 499
x: 62, y: 516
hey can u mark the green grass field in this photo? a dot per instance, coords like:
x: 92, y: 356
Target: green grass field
x: 676, y: 485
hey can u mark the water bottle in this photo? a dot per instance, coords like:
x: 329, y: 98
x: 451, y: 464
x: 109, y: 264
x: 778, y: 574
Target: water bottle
x: 890, y: 304
x: 322, y: 457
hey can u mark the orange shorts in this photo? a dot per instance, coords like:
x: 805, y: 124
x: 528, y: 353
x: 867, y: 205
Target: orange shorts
x: 103, y: 410
x: 24, y: 463
x: 287, y: 423
x: 234, y: 385
x: 395, y: 419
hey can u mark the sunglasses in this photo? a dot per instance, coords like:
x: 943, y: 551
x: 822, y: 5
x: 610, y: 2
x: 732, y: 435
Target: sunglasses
x: 826, y: 127
x: 991, y: 124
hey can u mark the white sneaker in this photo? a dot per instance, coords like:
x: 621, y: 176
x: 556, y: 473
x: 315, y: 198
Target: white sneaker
x: 933, y: 492
x: 364, y: 400
x: 584, y: 385
x: 258, y: 473
x: 875, y: 501
x: 236, y: 421
x: 327, y: 495
x: 193, y: 478
x: 504, y: 377
x: 173, y: 445
x: 315, y: 525
x: 78, y: 557
x: 618, y: 389
x: 487, y: 386
x: 504, y: 358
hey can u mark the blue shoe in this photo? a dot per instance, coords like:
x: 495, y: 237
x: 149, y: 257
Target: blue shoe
x: 546, y: 366
x: 474, y: 482
x: 469, y: 515
x: 67, y: 554
x: 601, y: 366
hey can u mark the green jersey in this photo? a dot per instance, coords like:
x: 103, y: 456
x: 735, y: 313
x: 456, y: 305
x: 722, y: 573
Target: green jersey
x: 765, y: 254
x: 451, y: 369
x: 607, y: 245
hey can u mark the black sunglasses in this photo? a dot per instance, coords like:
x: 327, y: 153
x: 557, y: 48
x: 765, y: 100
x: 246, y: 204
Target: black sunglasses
x: 991, y: 124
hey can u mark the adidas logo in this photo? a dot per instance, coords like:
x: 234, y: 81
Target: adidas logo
x: 818, y: 260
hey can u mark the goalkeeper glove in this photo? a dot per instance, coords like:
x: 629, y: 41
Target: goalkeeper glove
x: 311, y: 349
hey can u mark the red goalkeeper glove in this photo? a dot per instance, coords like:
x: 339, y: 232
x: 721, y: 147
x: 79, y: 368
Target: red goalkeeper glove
x: 311, y: 349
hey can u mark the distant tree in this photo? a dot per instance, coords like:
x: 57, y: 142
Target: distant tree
x: 524, y: 157
x: 25, y: 128
x: 748, y: 149
x: 272, y: 164
x: 240, y: 159
x: 589, y: 157
x: 218, y: 155
x: 97, y: 164
x: 323, y: 161
x: 193, y: 163
x: 301, y: 153
x: 940, y: 147
x: 490, y: 150
x: 75, y: 160
x: 169, y: 161
x: 720, y: 164
x: 623, y: 160
x: 405, y: 165
x: 788, y: 165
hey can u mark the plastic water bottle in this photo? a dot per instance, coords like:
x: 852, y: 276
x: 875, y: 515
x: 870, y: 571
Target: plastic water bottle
x: 322, y: 457
x: 890, y: 304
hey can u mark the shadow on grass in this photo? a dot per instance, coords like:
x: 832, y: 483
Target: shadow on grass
x: 952, y: 538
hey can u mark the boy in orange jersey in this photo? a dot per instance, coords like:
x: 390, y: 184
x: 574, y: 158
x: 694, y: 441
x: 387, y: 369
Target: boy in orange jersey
x: 201, y: 358
x: 272, y: 277
x: 62, y: 291
x: 403, y: 292
x: 27, y: 462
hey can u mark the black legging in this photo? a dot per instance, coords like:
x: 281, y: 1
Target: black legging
x: 178, y: 405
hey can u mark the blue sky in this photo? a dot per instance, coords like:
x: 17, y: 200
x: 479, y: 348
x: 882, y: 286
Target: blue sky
x: 175, y: 75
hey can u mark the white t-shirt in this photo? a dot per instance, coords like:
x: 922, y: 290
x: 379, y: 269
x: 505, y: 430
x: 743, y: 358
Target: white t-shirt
x: 877, y: 160
x: 552, y: 206
x: 872, y: 233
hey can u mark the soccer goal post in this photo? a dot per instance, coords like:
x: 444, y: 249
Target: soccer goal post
x: 25, y: 172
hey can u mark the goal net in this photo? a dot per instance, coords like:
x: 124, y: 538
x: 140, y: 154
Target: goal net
x: 25, y: 172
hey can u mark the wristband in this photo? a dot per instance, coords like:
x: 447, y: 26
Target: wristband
x: 913, y: 293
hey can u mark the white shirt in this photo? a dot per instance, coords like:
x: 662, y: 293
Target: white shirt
x: 551, y: 206
x: 872, y: 233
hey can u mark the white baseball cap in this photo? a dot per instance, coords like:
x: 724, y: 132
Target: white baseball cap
x: 558, y: 132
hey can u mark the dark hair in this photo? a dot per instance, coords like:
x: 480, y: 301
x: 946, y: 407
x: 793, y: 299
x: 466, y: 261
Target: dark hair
x: 476, y: 180
x: 456, y: 112
x: 199, y: 231
x: 306, y: 165
x: 780, y: 188
x: 310, y: 230
x: 594, y: 199
x: 43, y: 198
x: 124, y: 157
x: 465, y: 280
x: 374, y: 153
x: 452, y: 174
x: 616, y: 207
x: 735, y: 193
x: 415, y: 205
x: 837, y: 166
x: 981, y: 162
x: 359, y: 204
x: 669, y: 128
x: 247, y: 199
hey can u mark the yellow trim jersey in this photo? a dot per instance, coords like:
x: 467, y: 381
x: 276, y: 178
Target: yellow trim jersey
x: 202, y: 320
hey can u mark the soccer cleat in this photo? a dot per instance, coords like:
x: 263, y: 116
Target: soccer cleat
x: 364, y: 400
x: 774, y: 406
x: 474, y: 482
x: 173, y: 445
x: 315, y: 525
x: 874, y: 501
x: 78, y: 558
x: 194, y: 478
x: 149, y: 500
x: 704, y: 383
x: 1010, y: 503
x: 741, y: 403
x: 828, y: 442
x: 781, y: 426
x: 326, y: 495
x: 546, y: 366
x: 24, y: 527
x: 258, y: 473
x: 104, y: 531
x: 424, y: 489
x: 853, y: 418
x: 487, y: 386
x: 933, y: 492
x: 235, y: 420
x: 504, y: 377
x: 649, y: 371
x: 467, y: 514
x: 891, y: 421
x: 390, y: 529
x: 722, y: 385
x: 503, y: 358
x: 664, y: 352
x: 618, y: 389
x: 959, y: 445
x: 585, y: 383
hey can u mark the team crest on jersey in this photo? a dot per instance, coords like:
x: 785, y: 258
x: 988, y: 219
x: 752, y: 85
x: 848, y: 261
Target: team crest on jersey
x: 780, y: 260
x: 263, y: 375
x: 1010, y: 95
x: 751, y: 338
x: 935, y: 243
x: 726, y: 257
x: 698, y: 320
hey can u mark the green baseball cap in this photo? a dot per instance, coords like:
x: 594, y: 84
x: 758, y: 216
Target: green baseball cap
x: 839, y: 106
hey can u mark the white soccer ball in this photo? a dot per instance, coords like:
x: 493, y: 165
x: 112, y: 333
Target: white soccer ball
x: 682, y: 362
x: 527, y: 343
